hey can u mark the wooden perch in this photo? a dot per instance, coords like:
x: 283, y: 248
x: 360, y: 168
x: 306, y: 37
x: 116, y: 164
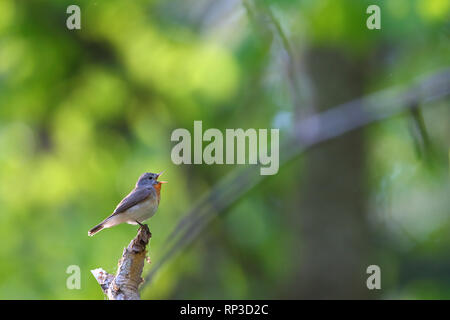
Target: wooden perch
x: 124, y: 285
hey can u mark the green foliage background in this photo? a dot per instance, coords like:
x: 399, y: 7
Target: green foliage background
x: 83, y: 113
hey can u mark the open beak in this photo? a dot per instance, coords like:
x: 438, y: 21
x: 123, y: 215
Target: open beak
x: 160, y: 174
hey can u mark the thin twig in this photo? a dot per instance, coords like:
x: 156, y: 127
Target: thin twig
x: 301, y: 88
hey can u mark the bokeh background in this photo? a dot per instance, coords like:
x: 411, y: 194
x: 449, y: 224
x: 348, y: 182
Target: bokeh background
x: 84, y: 112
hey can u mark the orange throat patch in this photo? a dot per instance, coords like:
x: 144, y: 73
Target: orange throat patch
x: 158, y: 191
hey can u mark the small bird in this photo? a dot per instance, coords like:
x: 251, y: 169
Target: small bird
x: 138, y: 206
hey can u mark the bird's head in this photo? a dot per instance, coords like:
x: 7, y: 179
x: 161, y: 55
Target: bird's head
x: 150, y: 179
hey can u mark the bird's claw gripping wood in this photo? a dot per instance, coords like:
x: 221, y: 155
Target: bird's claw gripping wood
x: 124, y: 285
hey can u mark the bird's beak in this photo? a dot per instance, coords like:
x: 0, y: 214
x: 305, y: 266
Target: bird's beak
x: 160, y: 174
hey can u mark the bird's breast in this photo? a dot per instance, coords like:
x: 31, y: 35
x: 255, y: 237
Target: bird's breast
x: 143, y: 210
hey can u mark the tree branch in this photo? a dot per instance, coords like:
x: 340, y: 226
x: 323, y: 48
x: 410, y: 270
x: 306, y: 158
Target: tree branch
x: 124, y: 285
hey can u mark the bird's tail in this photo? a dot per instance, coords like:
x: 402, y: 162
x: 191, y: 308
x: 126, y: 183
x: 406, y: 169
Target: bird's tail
x: 96, y: 229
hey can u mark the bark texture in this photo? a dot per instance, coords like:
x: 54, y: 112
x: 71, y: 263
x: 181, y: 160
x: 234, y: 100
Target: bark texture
x: 124, y: 285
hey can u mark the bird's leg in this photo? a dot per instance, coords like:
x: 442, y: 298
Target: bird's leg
x: 144, y: 226
x: 140, y: 224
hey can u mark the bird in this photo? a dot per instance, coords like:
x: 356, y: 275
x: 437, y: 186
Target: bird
x: 139, y: 205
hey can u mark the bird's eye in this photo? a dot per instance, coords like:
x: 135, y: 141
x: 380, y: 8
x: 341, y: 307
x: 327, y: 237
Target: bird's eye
x: 150, y: 178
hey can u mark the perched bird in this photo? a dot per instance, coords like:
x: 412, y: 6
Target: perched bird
x: 138, y: 206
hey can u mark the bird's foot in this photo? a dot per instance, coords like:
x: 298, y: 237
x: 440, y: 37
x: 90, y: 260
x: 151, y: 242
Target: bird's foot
x: 144, y: 226
x: 140, y: 224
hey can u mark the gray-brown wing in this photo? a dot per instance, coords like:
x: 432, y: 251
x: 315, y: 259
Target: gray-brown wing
x: 134, y: 197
